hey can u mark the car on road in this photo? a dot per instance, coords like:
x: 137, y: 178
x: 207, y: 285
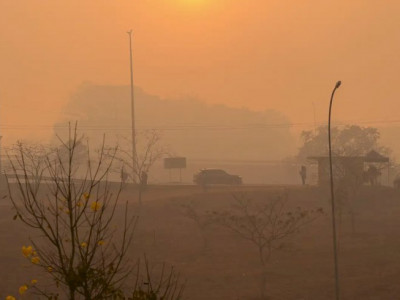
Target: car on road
x: 215, y: 176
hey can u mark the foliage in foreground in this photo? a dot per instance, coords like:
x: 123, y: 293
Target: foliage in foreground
x: 79, y: 245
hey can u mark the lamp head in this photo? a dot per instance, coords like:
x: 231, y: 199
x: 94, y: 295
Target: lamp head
x: 338, y: 84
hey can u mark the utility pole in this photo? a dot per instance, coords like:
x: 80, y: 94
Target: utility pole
x: 132, y: 111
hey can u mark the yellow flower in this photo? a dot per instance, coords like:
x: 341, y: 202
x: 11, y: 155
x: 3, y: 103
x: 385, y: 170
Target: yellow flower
x: 67, y: 211
x: 101, y: 242
x: 35, y: 260
x: 27, y: 251
x: 10, y: 298
x: 95, y: 206
x: 22, y: 289
x: 79, y: 204
x: 33, y: 281
x: 83, y: 245
x: 49, y: 269
x: 86, y: 196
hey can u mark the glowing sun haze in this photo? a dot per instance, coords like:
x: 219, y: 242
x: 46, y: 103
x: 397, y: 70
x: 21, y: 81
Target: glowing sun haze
x: 262, y: 54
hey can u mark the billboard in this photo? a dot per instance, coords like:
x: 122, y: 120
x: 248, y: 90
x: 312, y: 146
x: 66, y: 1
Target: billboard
x: 175, y: 162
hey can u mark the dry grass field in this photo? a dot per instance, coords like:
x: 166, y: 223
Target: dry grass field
x: 228, y: 267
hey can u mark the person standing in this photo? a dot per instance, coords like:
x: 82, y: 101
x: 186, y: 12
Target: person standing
x: 124, y: 176
x: 143, y: 179
x: 303, y: 174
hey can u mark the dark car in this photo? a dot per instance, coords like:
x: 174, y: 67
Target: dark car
x: 215, y: 176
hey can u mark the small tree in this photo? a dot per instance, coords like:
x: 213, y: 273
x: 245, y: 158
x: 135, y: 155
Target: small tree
x: 348, y: 190
x: 351, y: 140
x: 202, y: 221
x: 77, y: 245
x: 166, y: 287
x: 148, y: 151
x: 267, y: 226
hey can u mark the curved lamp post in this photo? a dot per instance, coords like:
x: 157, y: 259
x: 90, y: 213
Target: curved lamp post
x: 333, y: 196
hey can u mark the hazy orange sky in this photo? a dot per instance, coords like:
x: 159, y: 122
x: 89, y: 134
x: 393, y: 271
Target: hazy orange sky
x: 261, y: 54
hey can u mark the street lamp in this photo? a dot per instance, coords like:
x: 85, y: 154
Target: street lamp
x: 333, y: 196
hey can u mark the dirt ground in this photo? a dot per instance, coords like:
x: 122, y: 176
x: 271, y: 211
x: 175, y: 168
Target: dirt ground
x: 228, y: 266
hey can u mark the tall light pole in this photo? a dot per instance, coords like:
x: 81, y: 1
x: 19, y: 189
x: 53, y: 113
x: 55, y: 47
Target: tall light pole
x: 335, y: 254
x: 315, y: 118
x: 132, y: 111
x: 1, y: 163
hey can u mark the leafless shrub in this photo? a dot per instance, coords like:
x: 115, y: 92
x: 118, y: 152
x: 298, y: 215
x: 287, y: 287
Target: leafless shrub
x: 202, y: 221
x: 148, y: 151
x: 267, y: 226
x: 166, y: 287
